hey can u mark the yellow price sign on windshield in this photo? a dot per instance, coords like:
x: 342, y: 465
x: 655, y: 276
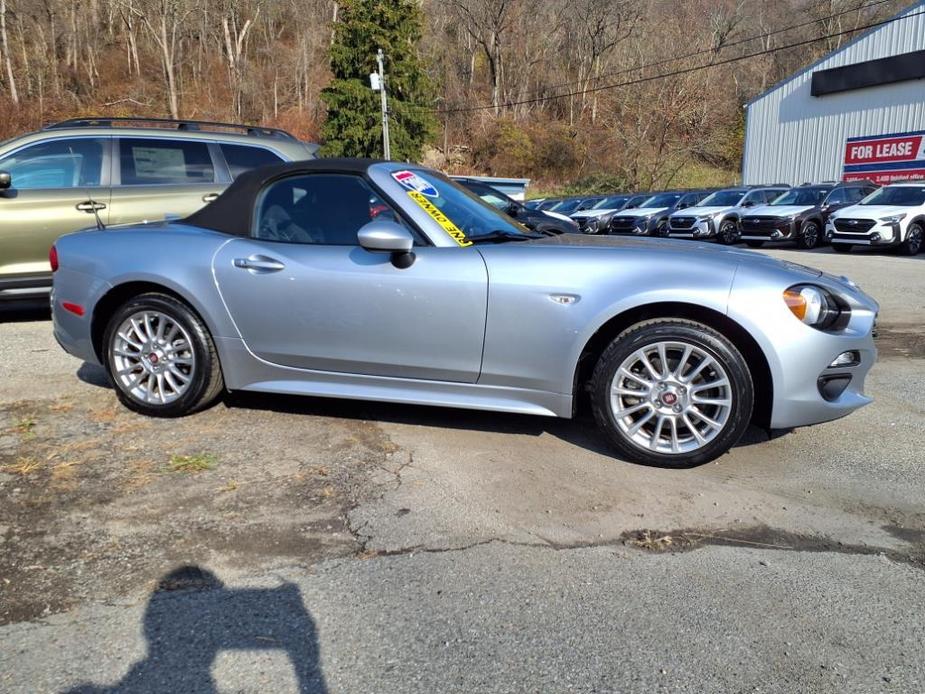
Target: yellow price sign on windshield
x: 445, y: 222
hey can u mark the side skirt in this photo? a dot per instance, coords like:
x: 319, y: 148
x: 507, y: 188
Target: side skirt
x: 243, y: 371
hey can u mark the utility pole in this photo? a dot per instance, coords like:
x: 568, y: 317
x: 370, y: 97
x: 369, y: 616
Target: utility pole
x: 386, y: 147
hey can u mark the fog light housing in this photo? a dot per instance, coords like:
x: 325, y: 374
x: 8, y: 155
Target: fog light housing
x: 851, y: 358
x: 832, y: 387
x: 776, y: 235
x: 875, y: 238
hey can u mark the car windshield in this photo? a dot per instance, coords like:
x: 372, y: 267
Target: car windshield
x: 662, y: 200
x: 614, y: 202
x: 723, y: 198
x: 901, y: 196
x: 493, y: 197
x: 461, y: 207
x: 566, y: 206
x: 801, y: 196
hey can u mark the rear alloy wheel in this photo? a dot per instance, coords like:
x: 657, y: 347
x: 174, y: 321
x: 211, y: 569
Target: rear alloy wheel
x: 672, y: 393
x: 810, y: 235
x: 161, y: 358
x: 842, y: 247
x: 914, y: 238
x: 728, y: 232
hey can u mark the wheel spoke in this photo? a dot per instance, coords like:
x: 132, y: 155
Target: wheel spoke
x: 696, y: 432
x: 644, y: 358
x: 675, y: 443
x: 663, y: 358
x: 704, y: 363
x: 701, y: 416
x: 718, y: 402
x: 632, y: 410
x: 641, y: 422
x: 626, y: 373
x: 700, y: 387
x: 131, y: 343
x: 679, y: 369
x: 657, y: 433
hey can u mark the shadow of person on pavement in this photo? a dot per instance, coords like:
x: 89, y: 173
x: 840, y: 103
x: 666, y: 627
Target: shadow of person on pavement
x: 192, y: 617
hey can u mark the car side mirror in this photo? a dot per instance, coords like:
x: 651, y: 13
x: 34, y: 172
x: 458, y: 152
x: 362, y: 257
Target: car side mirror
x: 6, y: 181
x: 383, y: 235
x: 748, y: 203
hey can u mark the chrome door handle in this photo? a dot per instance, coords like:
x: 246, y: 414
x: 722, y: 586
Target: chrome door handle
x: 259, y: 264
x: 90, y: 206
x: 209, y: 197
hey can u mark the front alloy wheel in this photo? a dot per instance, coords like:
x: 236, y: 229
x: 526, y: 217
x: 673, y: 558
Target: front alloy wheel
x: 161, y: 358
x: 914, y: 239
x: 728, y: 232
x: 810, y: 236
x: 672, y: 393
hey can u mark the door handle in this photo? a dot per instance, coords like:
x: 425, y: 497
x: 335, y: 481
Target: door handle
x: 90, y: 206
x: 258, y: 264
x: 209, y: 197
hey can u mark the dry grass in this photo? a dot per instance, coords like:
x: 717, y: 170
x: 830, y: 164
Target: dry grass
x: 22, y: 466
x: 25, y: 426
x: 230, y: 486
x: 652, y: 541
x: 191, y: 464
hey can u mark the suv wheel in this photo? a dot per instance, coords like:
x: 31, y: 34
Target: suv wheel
x: 672, y: 393
x: 810, y: 235
x: 161, y: 357
x: 914, y: 239
x: 728, y: 232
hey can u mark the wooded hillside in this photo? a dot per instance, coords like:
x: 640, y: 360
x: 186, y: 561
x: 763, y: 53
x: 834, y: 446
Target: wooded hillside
x: 495, y: 66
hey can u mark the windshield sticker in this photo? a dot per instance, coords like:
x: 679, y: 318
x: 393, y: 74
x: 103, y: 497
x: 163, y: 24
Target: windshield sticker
x: 445, y: 223
x: 411, y: 181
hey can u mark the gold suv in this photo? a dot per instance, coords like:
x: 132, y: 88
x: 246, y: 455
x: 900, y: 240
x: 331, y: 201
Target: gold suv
x: 89, y: 171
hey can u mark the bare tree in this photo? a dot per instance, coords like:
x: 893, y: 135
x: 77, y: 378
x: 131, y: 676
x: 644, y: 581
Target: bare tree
x: 5, y: 48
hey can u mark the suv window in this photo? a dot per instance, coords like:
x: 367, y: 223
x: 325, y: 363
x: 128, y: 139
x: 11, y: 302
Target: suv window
x: 68, y: 163
x: 145, y: 161
x: 327, y: 209
x: 241, y: 158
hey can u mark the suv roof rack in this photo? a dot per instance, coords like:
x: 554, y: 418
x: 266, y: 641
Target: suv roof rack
x: 182, y: 124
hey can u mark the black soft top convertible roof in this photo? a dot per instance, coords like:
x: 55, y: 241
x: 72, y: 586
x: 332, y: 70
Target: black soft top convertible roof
x: 230, y: 213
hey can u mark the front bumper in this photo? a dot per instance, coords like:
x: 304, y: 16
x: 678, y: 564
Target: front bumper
x: 807, y: 389
x: 700, y: 229
x: 628, y: 226
x: 880, y: 234
x: 768, y: 230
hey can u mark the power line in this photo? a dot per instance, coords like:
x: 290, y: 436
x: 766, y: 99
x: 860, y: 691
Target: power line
x: 675, y: 73
x: 723, y: 47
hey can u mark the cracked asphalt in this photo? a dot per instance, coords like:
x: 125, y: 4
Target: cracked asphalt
x: 359, y: 547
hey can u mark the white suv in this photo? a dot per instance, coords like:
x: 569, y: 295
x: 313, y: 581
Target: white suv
x: 891, y: 216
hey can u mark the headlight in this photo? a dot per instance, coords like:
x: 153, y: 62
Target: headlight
x: 894, y: 219
x: 814, y: 306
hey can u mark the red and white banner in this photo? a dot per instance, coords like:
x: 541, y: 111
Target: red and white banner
x: 885, y: 158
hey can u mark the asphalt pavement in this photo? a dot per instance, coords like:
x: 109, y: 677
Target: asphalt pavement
x: 458, y: 551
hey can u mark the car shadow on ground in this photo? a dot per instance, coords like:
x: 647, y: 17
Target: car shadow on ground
x: 192, y: 617
x: 24, y: 311
x: 580, y: 431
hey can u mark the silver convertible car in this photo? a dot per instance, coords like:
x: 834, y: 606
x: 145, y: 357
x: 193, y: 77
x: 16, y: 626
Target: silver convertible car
x: 362, y: 279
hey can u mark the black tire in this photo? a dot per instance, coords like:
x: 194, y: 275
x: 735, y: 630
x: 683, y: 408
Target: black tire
x: 205, y: 382
x: 842, y: 247
x: 661, y: 228
x: 755, y: 244
x: 702, y: 337
x: 728, y: 233
x: 810, y: 235
x: 915, y: 237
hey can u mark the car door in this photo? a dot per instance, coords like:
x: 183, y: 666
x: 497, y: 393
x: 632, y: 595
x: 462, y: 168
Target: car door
x: 157, y: 178
x: 304, y: 294
x: 55, y: 187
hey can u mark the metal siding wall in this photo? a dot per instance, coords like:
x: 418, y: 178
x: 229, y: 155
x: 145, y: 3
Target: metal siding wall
x: 792, y: 137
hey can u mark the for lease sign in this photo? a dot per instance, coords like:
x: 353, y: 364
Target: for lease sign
x: 885, y: 158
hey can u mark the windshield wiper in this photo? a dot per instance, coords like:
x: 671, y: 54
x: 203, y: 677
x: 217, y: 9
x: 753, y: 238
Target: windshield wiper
x: 500, y: 236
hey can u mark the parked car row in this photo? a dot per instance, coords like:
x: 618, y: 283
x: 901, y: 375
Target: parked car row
x: 844, y: 214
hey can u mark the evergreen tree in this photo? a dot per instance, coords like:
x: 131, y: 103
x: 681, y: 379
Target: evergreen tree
x: 354, y: 124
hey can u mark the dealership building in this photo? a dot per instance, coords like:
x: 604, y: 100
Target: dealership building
x: 858, y: 113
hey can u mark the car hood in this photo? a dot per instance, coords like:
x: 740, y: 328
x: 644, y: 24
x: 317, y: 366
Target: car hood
x: 872, y: 211
x: 643, y: 211
x: 702, y: 211
x: 592, y: 213
x: 778, y: 210
x: 555, y: 215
